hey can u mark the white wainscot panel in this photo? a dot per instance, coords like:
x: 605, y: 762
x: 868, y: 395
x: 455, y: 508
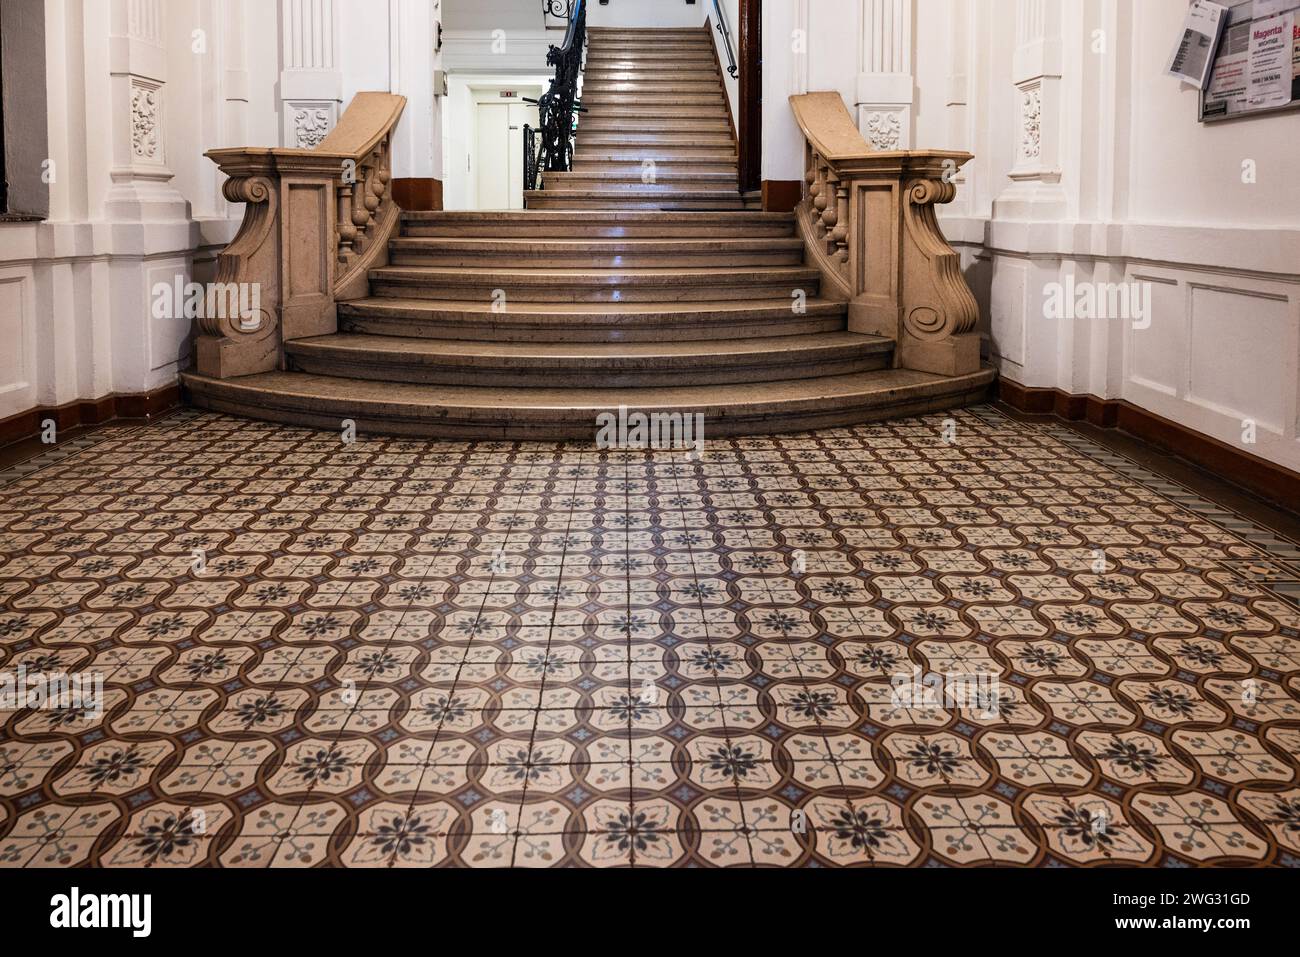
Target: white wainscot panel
x: 18, y: 335
x: 1008, y: 305
x: 1242, y: 354
x: 169, y: 337
x: 1156, y: 353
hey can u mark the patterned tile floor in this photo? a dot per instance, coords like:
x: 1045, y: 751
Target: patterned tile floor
x: 401, y: 653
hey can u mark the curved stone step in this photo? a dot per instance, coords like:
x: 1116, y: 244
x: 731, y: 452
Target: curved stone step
x: 466, y: 412
x: 595, y: 253
x: 590, y: 322
x: 594, y: 285
x: 622, y: 224
x: 575, y: 365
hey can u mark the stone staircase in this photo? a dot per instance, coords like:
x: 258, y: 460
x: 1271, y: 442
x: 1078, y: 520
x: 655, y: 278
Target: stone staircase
x: 657, y: 132
x: 607, y: 291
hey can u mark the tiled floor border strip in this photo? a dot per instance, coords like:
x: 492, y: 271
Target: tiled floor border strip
x: 1285, y: 553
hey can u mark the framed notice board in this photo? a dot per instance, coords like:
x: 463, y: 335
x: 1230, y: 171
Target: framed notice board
x: 1257, y: 64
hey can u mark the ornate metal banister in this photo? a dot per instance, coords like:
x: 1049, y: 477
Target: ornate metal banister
x: 559, y: 105
x: 868, y: 222
x: 315, y: 222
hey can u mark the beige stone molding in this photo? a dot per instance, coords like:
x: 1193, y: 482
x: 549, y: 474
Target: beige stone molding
x: 868, y: 222
x: 315, y: 222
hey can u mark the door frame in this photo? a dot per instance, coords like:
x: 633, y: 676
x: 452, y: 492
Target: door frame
x: 4, y: 179
x: 749, y: 127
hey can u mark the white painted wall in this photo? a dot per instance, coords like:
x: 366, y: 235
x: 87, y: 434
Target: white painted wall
x: 75, y: 290
x: 647, y: 13
x: 1128, y: 187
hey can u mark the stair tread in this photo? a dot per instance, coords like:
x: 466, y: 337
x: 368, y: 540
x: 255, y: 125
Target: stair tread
x: 633, y: 193
x: 426, y: 400
x: 559, y: 216
x: 387, y: 346
x: 616, y: 312
x: 599, y: 244
x: 613, y: 275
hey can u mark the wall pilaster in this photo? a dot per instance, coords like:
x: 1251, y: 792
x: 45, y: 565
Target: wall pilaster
x: 885, y: 85
x: 311, y: 83
x: 1035, y: 192
x: 137, y: 59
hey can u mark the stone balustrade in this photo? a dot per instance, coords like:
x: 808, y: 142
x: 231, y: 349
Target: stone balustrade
x: 316, y: 221
x: 867, y: 218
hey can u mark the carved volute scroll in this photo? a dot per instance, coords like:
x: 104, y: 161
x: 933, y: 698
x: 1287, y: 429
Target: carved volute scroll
x: 315, y: 222
x: 868, y: 223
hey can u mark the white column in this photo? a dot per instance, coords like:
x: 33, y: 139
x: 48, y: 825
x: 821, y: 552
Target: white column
x: 311, y: 83
x: 885, y: 84
x: 1035, y: 192
x: 141, y: 189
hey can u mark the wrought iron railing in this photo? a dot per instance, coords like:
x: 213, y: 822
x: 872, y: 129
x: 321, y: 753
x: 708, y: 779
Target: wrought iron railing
x: 550, y: 147
x: 530, y: 157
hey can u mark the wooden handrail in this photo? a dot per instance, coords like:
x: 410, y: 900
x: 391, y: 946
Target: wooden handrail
x: 316, y: 221
x: 868, y: 222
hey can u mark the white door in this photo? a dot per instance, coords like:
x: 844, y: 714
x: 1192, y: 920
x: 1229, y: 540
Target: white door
x: 499, y: 154
x: 494, y: 156
x: 520, y: 113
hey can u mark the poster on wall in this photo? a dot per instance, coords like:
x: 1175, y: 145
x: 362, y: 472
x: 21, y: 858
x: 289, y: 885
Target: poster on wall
x: 1256, y: 66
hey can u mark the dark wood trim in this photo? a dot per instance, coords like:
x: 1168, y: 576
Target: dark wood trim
x: 418, y: 194
x: 717, y: 61
x: 4, y: 179
x: 781, y: 195
x: 749, y: 39
x: 138, y: 405
x: 1227, y: 462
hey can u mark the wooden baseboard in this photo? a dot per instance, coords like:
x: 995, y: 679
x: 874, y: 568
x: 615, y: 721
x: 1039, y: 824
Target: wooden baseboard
x: 418, y: 195
x: 781, y: 195
x: 1229, y: 463
x: 139, y: 405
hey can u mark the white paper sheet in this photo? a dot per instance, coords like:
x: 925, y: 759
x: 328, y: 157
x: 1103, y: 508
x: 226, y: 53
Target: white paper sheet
x: 1194, y: 52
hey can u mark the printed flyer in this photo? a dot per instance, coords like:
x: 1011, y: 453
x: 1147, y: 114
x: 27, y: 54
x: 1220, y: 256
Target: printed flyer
x: 1256, y: 66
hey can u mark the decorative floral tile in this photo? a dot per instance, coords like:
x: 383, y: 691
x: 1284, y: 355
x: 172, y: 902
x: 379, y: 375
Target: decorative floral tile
x: 400, y: 653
